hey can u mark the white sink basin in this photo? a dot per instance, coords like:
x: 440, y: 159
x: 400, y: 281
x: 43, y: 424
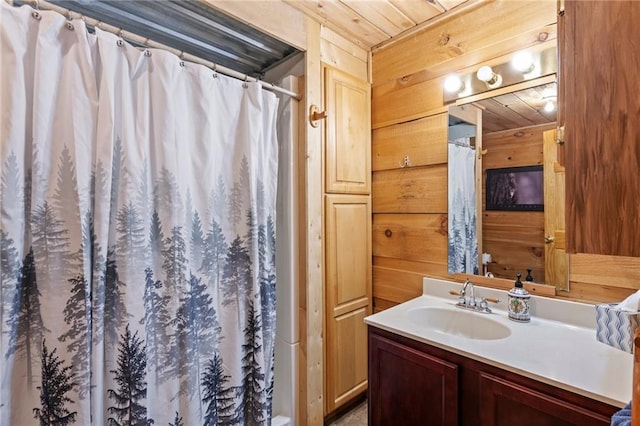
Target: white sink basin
x: 458, y: 322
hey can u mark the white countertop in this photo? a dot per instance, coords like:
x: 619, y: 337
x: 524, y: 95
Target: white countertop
x: 557, y: 347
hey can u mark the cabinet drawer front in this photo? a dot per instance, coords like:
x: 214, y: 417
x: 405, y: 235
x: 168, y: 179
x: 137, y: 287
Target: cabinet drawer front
x: 506, y: 403
x: 412, y: 388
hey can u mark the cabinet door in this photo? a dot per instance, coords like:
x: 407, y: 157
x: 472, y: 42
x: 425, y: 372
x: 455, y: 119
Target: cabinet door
x: 504, y: 403
x: 409, y: 387
x: 556, y: 260
x: 348, y: 133
x: 602, y: 130
x: 348, y: 296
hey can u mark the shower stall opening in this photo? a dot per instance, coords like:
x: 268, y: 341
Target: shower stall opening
x: 288, y: 75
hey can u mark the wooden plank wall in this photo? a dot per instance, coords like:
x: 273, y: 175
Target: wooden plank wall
x: 600, y: 278
x: 340, y: 53
x: 409, y: 119
x: 515, y: 240
x: 310, y: 283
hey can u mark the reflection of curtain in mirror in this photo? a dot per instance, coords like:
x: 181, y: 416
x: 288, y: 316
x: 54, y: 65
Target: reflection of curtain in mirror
x: 463, y: 240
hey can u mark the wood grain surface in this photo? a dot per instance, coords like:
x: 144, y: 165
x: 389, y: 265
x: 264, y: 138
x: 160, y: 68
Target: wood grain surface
x: 602, y: 135
x: 514, y: 239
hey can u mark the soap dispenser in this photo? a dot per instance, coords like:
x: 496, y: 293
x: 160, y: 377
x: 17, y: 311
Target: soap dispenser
x: 519, y: 302
x: 529, y: 277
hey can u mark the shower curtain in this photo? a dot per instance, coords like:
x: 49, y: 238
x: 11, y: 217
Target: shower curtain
x: 137, y: 233
x: 463, y: 239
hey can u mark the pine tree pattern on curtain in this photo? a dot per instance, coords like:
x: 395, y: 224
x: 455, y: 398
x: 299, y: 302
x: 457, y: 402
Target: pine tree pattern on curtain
x: 137, y: 234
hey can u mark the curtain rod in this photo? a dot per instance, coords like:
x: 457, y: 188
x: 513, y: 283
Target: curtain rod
x: 132, y: 37
x: 462, y: 144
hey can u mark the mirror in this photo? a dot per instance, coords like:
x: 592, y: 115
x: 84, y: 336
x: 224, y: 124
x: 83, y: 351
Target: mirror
x: 506, y: 189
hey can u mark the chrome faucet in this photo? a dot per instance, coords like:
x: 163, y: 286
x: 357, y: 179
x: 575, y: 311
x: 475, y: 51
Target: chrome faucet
x: 470, y: 302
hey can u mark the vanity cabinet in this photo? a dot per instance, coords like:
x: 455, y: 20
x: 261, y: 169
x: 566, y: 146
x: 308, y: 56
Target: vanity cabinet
x: 405, y: 381
x: 507, y: 402
x: 415, y: 383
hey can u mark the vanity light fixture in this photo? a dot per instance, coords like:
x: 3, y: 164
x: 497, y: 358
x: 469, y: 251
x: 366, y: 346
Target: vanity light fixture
x: 515, y: 68
x: 550, y: 106
x: 523, y: 62
x: 453, y: 84
x: 487, y: 75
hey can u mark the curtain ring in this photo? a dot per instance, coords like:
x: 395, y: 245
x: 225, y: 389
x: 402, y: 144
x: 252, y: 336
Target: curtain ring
x: 120, y: 42
x: 35, y: 4
x: 246, y: 78
x: 147, y: 53
x: 36, y: 15
x: 215, y: 70
x: 69, y: 25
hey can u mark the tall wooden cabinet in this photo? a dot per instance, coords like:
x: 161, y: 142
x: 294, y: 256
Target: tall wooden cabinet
x: 347, y: 236
x: 599, y: 105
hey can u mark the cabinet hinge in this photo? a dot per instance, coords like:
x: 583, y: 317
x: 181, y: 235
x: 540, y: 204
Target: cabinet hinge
x: 560, y: 135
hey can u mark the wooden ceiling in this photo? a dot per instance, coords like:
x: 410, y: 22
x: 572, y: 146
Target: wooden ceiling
x: 370, y: 22
x: 518, y: 109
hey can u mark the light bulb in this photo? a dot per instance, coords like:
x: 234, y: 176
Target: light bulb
x: 523, y: 61
x: 550, y: 106
x: 453, y: 84
x: 485, y: 73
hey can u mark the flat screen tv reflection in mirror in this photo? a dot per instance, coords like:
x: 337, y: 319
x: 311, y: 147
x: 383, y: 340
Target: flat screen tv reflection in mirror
x: 515, y: 189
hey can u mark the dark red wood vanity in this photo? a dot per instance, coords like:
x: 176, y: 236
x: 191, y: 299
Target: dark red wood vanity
x: 412, y: 383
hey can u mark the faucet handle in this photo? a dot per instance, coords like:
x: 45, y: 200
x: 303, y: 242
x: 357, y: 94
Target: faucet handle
x: 484, y: 302
x: 484, y: 306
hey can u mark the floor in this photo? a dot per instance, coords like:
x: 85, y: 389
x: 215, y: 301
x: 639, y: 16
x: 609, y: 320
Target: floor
x: 355, y: 417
